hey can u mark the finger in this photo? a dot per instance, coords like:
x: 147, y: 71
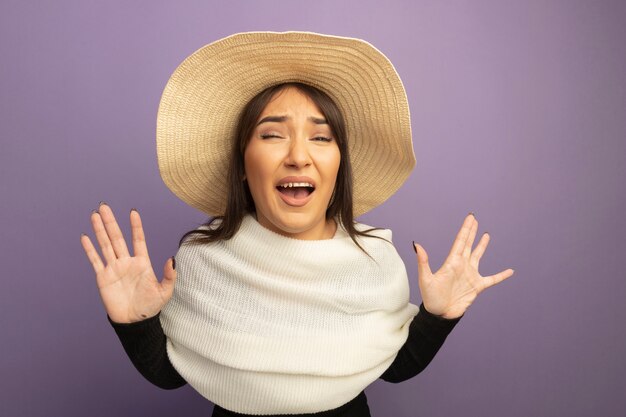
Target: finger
x: 480, y: 249
x: 139, y: 239
x: 102, y: 237
x: 91, y: 253
x: 169, y: 279
x: 113, y: 230
x: 497, y: 278
x: 470, y: 240
x: 423, y: 269
x: 461, y: 237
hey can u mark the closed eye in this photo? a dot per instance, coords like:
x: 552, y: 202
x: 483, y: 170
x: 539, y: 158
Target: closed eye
x: 268, y: 135
x: 322, y: 139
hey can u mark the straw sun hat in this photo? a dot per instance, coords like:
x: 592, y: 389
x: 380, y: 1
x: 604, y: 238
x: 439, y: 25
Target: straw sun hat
x: 203, y: 99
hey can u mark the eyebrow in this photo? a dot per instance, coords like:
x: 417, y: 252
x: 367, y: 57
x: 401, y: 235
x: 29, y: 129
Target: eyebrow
x: 281, y: 119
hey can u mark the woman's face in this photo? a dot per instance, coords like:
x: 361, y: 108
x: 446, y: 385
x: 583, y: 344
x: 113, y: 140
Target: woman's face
x: 291, y: 163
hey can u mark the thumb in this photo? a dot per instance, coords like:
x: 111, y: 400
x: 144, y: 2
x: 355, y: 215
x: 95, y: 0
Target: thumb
x: 423, y: 269
x: 169, y: 278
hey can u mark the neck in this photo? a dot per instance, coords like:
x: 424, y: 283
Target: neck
x: 323, y: 230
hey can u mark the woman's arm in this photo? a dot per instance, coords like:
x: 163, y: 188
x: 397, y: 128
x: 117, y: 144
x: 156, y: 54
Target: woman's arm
x: 145, y: 345
x: 131, y: 292
x: 427, y: 333
x: 448, y: 293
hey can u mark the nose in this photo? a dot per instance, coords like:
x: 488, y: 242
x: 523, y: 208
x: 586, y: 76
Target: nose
x: 298, y: 155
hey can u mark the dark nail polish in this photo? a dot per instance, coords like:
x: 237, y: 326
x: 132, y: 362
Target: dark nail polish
x: 173, y: 263
x: 414, y: 248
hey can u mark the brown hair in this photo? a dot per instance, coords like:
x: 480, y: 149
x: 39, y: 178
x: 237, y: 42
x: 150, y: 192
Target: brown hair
x: 240, y: 202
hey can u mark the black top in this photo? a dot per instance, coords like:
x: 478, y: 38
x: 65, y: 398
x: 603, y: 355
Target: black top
x: 145, y: 344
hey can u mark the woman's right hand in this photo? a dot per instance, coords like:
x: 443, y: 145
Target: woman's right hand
x: 128, y: 287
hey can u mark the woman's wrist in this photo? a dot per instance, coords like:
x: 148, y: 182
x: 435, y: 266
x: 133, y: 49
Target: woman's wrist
x: 133, y: 323
x: 441, y: 317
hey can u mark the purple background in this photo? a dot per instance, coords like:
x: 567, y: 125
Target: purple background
x: 518, y: 114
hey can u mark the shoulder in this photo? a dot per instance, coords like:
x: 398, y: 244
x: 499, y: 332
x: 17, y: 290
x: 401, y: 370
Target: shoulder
x: 199, y: 236
x: 211, y: 224
x: 374, y: 231
x: 379, y: 246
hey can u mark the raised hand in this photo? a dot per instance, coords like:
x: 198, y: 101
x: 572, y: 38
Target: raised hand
x: 128, y: 286
x: 454, y: 287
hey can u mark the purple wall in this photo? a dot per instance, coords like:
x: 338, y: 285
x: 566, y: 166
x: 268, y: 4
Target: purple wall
x: 518, y: 112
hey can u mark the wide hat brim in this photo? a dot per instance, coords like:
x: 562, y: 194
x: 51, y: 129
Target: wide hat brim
x: 205, y: 95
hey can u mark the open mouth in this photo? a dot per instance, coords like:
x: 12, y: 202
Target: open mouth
x: 297, y: 190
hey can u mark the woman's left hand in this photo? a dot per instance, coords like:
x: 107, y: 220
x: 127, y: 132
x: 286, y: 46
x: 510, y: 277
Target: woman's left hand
x: 454, y: 287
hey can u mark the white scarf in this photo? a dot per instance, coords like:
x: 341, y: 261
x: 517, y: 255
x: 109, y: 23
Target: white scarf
x: 267, y: 324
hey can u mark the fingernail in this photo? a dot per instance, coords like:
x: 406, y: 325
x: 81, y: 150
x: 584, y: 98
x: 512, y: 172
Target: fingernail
x: 83, y: 234
x: 101, y: 203
x: 94, y: 211
x: 414, y: 248
x: 472, y: 213
x: 173, y: 263
x: 134, y: 210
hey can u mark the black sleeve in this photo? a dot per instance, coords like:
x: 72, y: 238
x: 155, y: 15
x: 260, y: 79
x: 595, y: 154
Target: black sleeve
x: 145, y: 345
x: 427, y: 333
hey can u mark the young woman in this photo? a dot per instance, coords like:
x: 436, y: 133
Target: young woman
x: 282, y: 303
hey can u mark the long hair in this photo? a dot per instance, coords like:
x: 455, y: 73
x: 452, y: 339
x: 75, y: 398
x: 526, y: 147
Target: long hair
x: 240, y: 202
